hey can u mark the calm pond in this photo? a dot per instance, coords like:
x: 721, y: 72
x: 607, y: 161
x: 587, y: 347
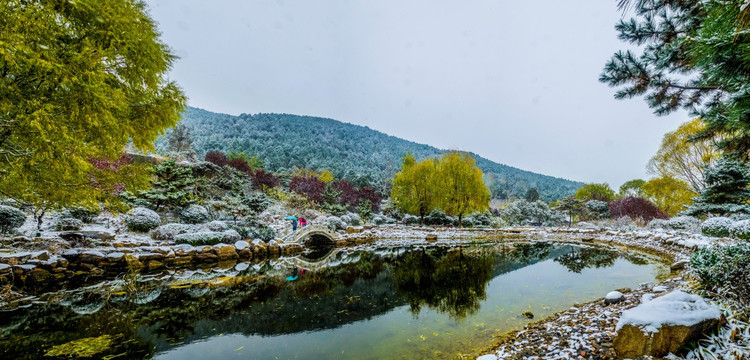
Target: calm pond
x: 411, y: 303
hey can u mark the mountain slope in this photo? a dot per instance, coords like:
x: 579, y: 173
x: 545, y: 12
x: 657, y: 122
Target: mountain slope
x: 353, y: 152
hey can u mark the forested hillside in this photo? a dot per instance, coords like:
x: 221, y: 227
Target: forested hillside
x: 356, y: 153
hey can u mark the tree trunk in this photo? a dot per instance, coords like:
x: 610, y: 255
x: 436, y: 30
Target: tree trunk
x: 39, y: 219
x: 460, y: 216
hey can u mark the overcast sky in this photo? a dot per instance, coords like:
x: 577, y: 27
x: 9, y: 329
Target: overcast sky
x: 515, y: 82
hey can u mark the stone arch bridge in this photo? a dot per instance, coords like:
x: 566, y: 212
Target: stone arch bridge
x: 311, y: 234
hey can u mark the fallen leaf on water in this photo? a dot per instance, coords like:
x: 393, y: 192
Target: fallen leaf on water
x: 239, y: 348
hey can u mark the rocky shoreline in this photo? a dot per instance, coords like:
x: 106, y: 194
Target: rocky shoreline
x: 584, y: 331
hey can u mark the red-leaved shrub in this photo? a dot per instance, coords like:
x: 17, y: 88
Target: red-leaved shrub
x: 635, y: 207
x: 216, y: 157
x: 349, y: 195
x: 368, y: 193
x: 241, y: 165
x: 264, y: 178
x: 309, y: 186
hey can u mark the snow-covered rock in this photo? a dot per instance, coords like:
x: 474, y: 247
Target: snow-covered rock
x: 613, y: 297
x: 664, y: 324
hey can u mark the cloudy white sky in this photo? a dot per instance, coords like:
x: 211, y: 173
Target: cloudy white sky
x: 515, y: 82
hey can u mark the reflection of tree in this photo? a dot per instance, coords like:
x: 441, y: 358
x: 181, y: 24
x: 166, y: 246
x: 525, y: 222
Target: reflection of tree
x: 452, y: 283
x: 581, y: 258
x: 525, y: 253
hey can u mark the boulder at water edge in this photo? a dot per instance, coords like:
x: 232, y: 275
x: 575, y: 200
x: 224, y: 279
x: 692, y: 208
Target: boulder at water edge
x: 661, y: 326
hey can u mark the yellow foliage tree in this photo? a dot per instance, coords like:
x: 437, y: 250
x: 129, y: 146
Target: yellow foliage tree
x: 681, y: 158
x: 669, y: 194
x: 461, y: 187
x: 79, y: 80
x: 326, y: 176
x: 415, y: 188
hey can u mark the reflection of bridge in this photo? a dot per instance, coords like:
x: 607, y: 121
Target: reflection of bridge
x: 307, y: 232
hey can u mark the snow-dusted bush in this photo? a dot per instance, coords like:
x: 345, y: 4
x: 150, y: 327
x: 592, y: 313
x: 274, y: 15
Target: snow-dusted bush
x: 142, y: 219
x: 65, y: 224
x: 351, y: 219
x: 379, y: 220
x: 716, y: 226
x: 497, y: 222
x: 208, y: 237
x: 522, y: 212
x: 265, y: 233
x: 468, y: 222
x: 656, y: 224
x: 231, y: 236
x: 217, y: 226
x: 725, y: 270
x: 683, y: 223
x: 10, y: 219
x: 597, y: 209
x: 437, y: 217
x: 82, y: 214
x: 482, y: 220
x: 410, y: 220
x: 740, y: 229
x: 333, y: 222
x: 170, y: 231
x: 195, y: 214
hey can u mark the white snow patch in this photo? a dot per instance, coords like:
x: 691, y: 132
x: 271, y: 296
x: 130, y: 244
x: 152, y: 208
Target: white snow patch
x: 613, y: 295
x: 676, y: 308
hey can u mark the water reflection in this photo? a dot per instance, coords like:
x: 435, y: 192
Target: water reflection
x: 450, y: 282
x: 347, y: 289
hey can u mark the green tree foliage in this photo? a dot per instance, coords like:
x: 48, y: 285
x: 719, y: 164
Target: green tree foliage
x: 172, y: 188
x: 330, y: 200
x: 79, y: 80
x: 682, y: 157
x: 462, y: 190
x: 532, y: 195
x: 727, y: 190
x: 593, y: 191
x: 364, y: 209
x: 360, y: 155
x: 669, y: 194
x: 572, y: 206
x: 632, y: 188
x: 415, y: 190
x: 694, y: 55
x: 181, y: 143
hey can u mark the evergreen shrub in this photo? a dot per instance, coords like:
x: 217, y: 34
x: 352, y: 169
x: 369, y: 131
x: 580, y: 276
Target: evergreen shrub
x: 10, y: 219
x: 195, y: 214
x: 82, y: 214
x: 716, y: 226
x: 168, y: 232
x: 725, y: 270
x: 141, y: 219
x: 437, y: 217
x: 740, y: 229
x: 67, y: 224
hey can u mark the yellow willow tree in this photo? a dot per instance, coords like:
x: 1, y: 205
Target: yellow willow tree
x: 79, y: 80
x: 669, y: 194
x: 415, y: 188
x: 462, y: 190
x: 682, y: 158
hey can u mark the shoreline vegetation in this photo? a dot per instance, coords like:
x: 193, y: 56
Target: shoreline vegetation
x: 674, y: 247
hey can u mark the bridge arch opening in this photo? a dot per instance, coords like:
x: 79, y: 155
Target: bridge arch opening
x: 317, y: 247
x: 318, y: 240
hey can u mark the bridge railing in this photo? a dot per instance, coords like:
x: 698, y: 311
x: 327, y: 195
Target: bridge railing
x: 301, y: 233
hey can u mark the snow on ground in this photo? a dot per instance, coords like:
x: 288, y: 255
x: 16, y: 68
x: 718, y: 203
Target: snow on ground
x: 675, y: 308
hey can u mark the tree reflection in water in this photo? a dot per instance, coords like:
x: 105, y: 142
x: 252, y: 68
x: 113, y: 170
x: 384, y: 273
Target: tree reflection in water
x: 587, y: 257
x: 453, y: 283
